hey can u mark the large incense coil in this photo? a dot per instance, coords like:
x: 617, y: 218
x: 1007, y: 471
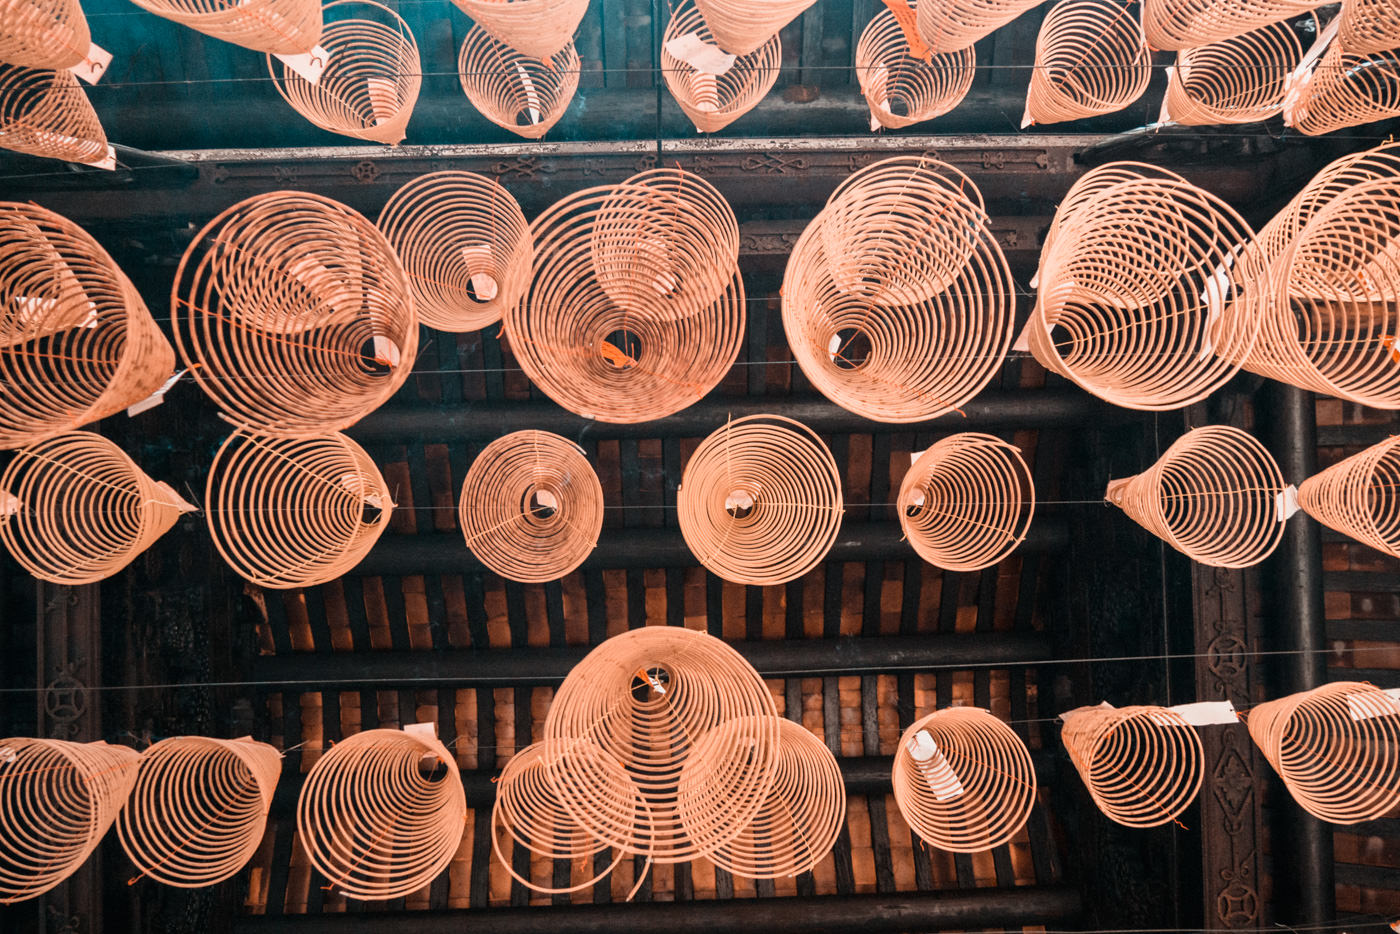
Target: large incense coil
x: 741, y: 26
x: 901, y: 88
x: 531, y: 506
x: 1143, y: 766
x: 1239, y: 80
x: 1215, y: 495
x: 43, y: 33
x: 801, y: 815
x: 371, y: 79
x: 76, y: 341
x: 524, y: 95
x: 199, y: 807
x: 951, y: 25
x: 75, y: 510
x: 465, y: 246
x: 966, y: 503
x: 712, y: 102
x: 538, y: 29
x: 1346, y: 90
x: 1173, y: 25
x: 644, y: 698
x: 295, y: 512
x: 382, y: 813
x: 1090, y: 59
x: 760, y: 501
x: 294, y: 314
x: 1360, y: 496
x: 59, y: 799
x: 974, y: 790
x: 45, y: 113
x: 1334, y: 747
x: 1368, y: 26
x: 280, y: 27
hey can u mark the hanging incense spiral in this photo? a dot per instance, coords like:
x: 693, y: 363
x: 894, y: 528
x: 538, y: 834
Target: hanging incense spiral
x: 1090, y: 59
x: 741, y: 26
x: 1345, y: 89
x: 283, y: 27
x: 524, y: 95
x: 1239, y: 80
x: 952, y: 25
x: 539, y: 29
x: 1173, y: 25
x: 713, y: 101
x: 43, y: 33
x: 901, y: 87
x: 1360, y: 496
x: 1143, y: 766
x: 45, y: 113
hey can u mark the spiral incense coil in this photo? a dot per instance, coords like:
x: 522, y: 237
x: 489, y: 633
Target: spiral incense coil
x: 1360, y: 496
x: 382, y: 813
x: 281, y: 27
x: 199, y: 808
x: 741, y: 26
x: 1367, y: 26
x: 43, y: 33
x: 524, y: 95
x: 1334, y: 747
x: 644, y: 698
x: 760, y: 501
x: 531, y: 506
x: 967, y: 502
x: 465, y: 246
x: 1345, y: 90
x: 963, y: 780
x: 1173, y: 25
x: 371, y: 79
x: 45, y: 113
x: 1216, y: 496
x: 952, y: 25
x: 295, y: 314
x: 1240, y: 80
x: 538, y: 29
x: 59, y: 799
x: 801, y: 815
x: 901, y: 88
x: 295, y: 512
x: 1143, y: 766
x: 712, y: 102
x: 76, y: 341
x: 1090, y: 59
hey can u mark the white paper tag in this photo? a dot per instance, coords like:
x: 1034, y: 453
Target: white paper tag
x: 1022, y: 343
x: 427, y: 731
x: 386, y: 351
x: 1287, y: 502
x: 1164, y: 115
x: 168, y: 497
x: 34, y: 309
x: 1369, y: 705
x: 656, y: 684
x: 1114, y: 491
x: 738, y: 500
x: 546, y: 499
x: 94, y: 66
x: 155, y: 398
x: 915, y: 455
x: 8, y: 756
x: 108, y: 160
x: 877, y: 94
x: 533, y: 106
x: 833, y: 347
x: 354, y: 484
x: 477, y: 255
x: 1301, y: 77
x: 1026, y: 118
x: 1213, y: 297
x: 383, y: 99
x: 934, y: 767
x: 308, y: 65
x: 1206, y: 713
x: 700, y: 55
x: 9, y: 503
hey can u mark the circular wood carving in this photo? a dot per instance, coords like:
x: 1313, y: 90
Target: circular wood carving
x: 1239, y: 80
x: 1360, y: 496
x: 951, y: 25
x: 1143, y: 766
x: 524, y: 95
x: 741, y: 26
x: 45, y: 113
x: 285, y: 27
x: 900, y: 87
x: 535, y: 28
x: 1090, y: 59
x: 1173, y: 25
x: 43, y: 33
x: 712, y: 102
x: 1344, y: 90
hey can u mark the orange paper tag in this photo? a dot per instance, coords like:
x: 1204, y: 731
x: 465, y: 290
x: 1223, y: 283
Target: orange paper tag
x: 904, y: 16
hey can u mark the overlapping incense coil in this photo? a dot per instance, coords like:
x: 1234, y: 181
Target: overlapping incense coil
x: 1368, y: 26
x: 60, y: 798
x: 531, y: 506
x: 198, y: 809
x: 951, y: 25
x: 760, y: 501
x: 535, y: 28
x: 382, y: 813
x: 1334, y: 180
x: 295, y: 512
x: 522, y: 94
x: 900, y: 87
x: 1143, y: 766
x: 465, y: 246
x: 741, y: 26
x: 711, y: 101
x: 371, y: 79
x: 1360, y: 496
x: 1239, y: 80
x: 1345, y: 89
x: 45, y: 113
x: 283, y: 27
x: 43, y: 33
x: 1173, y: 25
x: 294, y: 314
x: 967, y: 502
x: 972, y: 786
x: 76, y: 341
x: 1215, y: 495
x: 1090, y: 59
x: 1334, y: 747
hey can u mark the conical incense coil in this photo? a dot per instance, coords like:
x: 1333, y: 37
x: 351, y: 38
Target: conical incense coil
x: 1345, y: 90
x: 901, y: 87
x: 951, y: 25
x: 295, y: 512
x: 371, y: 79
x: 1239, y: 80
x: 644, y: 698
x: 465, y: 246
x: 284, y: 27
x: 75, y: 510
x: 760, y: 501
x: 741, y: 26
x: 43, y: 33
x: 799, y: 820
x: 294, y: 314
x: 713, y: 101
x: 1143, y: 766
x: 382, y: 813
x: 1216, y: 496
x: 1334, y: 748
x: 76, y: 341
x: 967, y: 502
x: 538, y: 29
x: 963, y: 780
x: 531, y: 506
x: 1367, y: 26
x: 1360, y: 496
x: 1173, y: 25
x: 524, y: 95
x: 1090, y: 59
x: 60, y: 799
x: 45, y: 113
x: 897, y: 300
x: 199, y: 808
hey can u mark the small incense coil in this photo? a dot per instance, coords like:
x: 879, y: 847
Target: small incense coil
x: 295, y: 512
x: 531, y: 506
x: 1360, y: 496
x: 1239, y: 80
x: 952, y: 25
x: 45, y: 113
x: 382, y: 813
x: 60, y: 799
x: 760, y: 501
x: 801, y: 815
x: 1345, y: 90
x: 524, y: 95
x: 1215, y: 496
x: 972, y: 785
x: 967, y: 502
x: 43, y: 33
x: 1368, y: 26
x: 199, y: 807
x: 1143, y: 766
x: 1090, y: 59
x: 371, y: 79
x: 1173, y: 25
x: 295, y: 314
x: 278, y: 27
x: 741, y: 26
x: 537, y: 29
x: 465, y: 246
x: 76, y: 341
x: 1334, y: 748
x: 643, y: 698
x: 712, y: 102
x: 901, y: 88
